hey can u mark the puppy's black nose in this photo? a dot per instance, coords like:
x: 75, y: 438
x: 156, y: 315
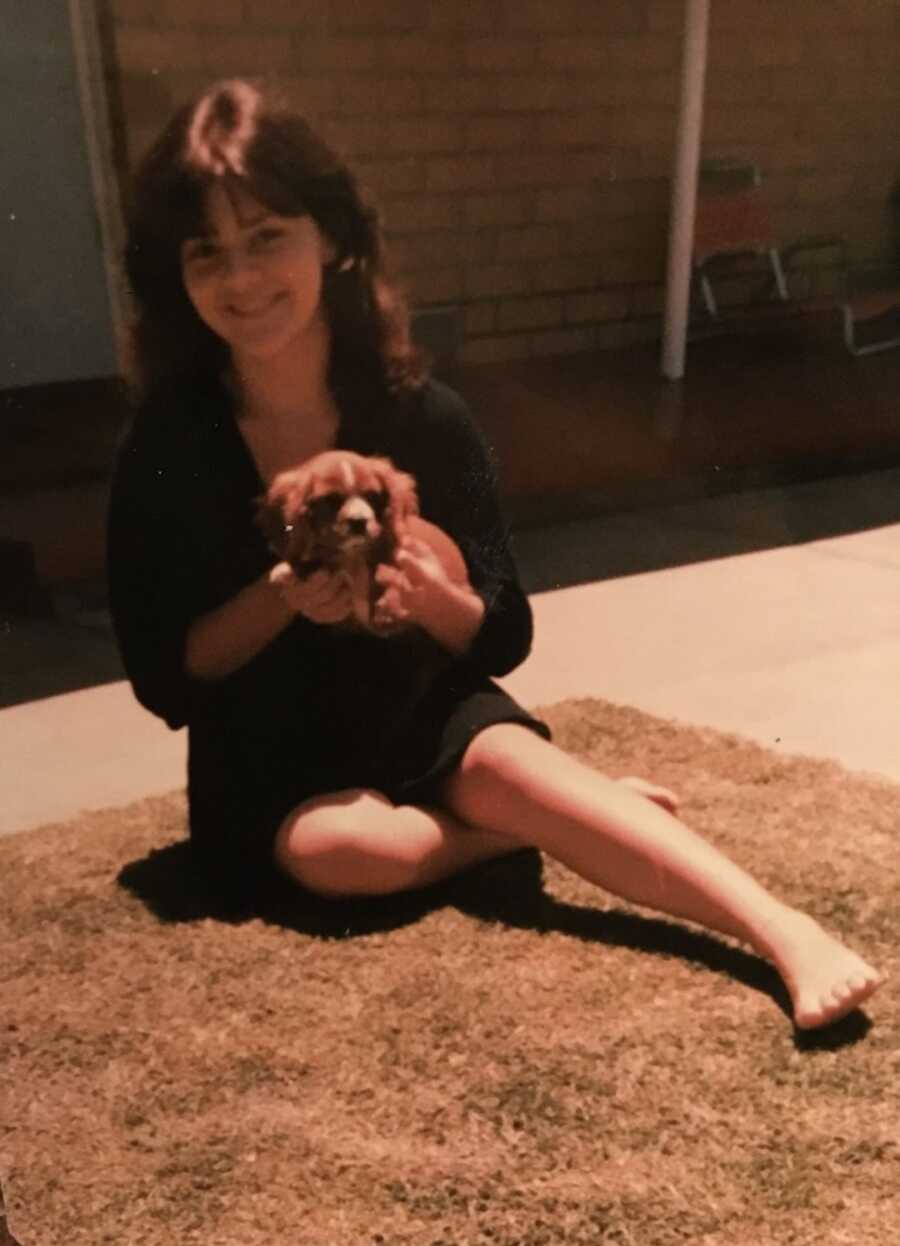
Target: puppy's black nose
x: 357, y: 525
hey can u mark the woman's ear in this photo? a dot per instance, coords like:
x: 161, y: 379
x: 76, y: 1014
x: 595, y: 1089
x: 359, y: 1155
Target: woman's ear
x: 328, y: 248
x: 334, y: 256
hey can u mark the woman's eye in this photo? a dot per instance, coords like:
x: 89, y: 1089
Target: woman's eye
x: 200, y: 253
x: 267, y: 237
x: 326, y: 506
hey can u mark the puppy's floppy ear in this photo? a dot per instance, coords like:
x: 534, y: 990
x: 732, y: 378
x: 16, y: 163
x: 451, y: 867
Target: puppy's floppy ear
x: 281, y: 514
x: 402, y: 495
x: 270, y: 521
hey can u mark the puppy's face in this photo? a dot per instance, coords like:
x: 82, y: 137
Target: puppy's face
x: 335, y: 507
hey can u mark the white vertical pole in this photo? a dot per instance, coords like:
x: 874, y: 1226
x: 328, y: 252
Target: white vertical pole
x: 684, y: 187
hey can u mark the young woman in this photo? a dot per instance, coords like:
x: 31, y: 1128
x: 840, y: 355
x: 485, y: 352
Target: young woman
x: 266, y: 332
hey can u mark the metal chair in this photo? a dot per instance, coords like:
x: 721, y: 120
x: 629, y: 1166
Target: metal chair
x: 733, y: 222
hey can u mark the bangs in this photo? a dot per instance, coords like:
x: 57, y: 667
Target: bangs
x: 184, y: 211
x: 265, y: 187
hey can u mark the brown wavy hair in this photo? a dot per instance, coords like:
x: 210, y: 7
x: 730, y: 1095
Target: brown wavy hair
x: 239, y: 134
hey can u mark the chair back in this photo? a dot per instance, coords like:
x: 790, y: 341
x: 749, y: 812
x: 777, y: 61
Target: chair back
x: 731, y: 221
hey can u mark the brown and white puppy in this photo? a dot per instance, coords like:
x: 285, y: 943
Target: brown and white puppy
x: 348, y: 512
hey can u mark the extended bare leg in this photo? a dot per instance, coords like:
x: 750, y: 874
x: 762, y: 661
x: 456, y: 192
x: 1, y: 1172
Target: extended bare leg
x: 357, y: 842
x: 514, y: 782
x: 514, y: 789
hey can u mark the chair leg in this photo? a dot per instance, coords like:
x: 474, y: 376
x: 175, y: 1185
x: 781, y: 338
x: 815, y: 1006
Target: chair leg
x: 850, y: 336
x: 849, y: 328
x: 778, y: 274
x: 709, y: 299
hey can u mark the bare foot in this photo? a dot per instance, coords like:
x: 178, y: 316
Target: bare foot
x: 826, y: 980
x: 661, y: 796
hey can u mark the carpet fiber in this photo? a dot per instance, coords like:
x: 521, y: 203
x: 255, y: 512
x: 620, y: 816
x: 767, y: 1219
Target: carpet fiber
x: 515, y: 1059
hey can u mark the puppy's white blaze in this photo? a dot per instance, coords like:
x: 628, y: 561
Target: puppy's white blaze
x: 356, y: 508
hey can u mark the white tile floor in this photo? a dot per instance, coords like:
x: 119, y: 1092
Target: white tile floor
x: 795, y: 648
x: 774, y: 614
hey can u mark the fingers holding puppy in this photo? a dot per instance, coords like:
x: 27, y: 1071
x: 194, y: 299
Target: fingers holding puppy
x: 414, y: 584
x: 322, y: 597
x: 419, y: 563
x: 392, y: 607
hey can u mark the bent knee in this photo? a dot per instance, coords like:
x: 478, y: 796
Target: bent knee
x: 342, y: 847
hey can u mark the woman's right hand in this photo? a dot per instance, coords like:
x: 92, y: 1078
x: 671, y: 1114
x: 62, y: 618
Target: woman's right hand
x: 322, y: 597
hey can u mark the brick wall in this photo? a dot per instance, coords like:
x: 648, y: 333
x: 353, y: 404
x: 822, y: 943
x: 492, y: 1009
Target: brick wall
x: 520, y: 150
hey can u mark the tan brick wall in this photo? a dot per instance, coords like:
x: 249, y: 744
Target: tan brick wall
x: 520, y: 150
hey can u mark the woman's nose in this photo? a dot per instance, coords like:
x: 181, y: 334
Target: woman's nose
x: 239, y: 269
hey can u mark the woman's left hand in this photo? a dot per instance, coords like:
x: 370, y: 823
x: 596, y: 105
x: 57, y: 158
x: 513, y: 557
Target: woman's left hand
x: 418, y: 589
x: 413, y: 585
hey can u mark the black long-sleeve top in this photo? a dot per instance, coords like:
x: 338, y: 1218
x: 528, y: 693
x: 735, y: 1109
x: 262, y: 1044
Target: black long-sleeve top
x: 183, y: 540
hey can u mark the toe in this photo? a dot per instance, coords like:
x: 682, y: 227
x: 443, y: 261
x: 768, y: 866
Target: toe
x: 808, y: 1014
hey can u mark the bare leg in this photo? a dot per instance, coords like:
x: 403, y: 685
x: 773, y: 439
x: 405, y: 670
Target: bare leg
x: 357, y: 842
x: 514, y: 782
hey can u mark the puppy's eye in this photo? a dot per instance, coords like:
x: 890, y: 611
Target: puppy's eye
x: 377, y: 499
x: 326, y: 506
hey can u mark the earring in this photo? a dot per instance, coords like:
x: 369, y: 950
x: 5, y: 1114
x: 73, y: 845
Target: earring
x: 346, y: 264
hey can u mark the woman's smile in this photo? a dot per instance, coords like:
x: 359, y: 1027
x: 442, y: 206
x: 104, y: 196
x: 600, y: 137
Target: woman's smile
x: 257, y: 309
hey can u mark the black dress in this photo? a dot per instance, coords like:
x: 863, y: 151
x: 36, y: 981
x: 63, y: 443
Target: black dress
x: 321, y: 708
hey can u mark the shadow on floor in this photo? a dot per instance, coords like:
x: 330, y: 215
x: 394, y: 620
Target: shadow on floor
x: 72, y: 649
x: 607, y: 546
x: 509, y: 891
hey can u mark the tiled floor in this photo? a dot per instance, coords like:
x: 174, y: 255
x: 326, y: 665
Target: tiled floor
x: 773, y: 613
x: 758, y: 619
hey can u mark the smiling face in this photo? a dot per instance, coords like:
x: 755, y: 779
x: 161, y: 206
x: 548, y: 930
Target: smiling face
x: 255, y: 278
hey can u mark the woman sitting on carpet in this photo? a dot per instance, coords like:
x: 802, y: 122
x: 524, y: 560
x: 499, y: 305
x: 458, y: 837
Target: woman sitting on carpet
x: 266, y: 332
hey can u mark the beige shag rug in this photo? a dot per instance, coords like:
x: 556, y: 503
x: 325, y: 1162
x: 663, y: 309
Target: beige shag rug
x: 512, y: 1060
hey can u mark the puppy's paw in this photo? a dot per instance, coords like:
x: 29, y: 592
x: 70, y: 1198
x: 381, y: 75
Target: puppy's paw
x: 281, y: 574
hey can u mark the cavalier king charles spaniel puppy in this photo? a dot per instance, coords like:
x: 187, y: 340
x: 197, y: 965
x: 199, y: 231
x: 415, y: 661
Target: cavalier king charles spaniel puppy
x: 348, y: 513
